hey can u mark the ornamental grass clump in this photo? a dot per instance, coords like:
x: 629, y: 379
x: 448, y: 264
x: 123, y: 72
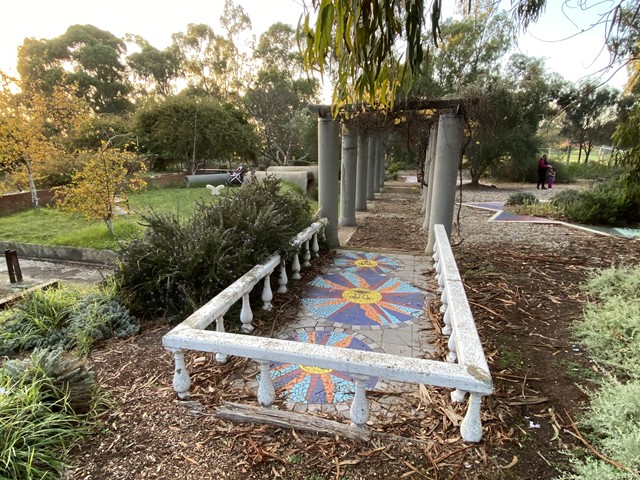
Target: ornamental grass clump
x: 177, y: 266
x: 40, y: 420
x: 65, y: 318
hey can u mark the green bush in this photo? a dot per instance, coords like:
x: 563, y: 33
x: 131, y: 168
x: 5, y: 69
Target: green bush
x: 613, y: 420
x: 566, y: 197
x: 38, y: 425
x: 176, y: 267
x: 609, y: 203
x: 521, y: 198
x: 64, y: 318
x: 611, y: 332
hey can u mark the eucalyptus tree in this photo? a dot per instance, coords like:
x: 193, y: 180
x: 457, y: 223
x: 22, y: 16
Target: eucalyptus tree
x: 589, y: 114
x: 378, y: 45
x: 84, y: 56
x: 279, y: 96
x: 156, y: 70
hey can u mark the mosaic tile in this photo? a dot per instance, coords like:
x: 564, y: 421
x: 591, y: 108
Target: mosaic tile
x: 365, y: 262
x: 364, y: 300
x: 314, y: 385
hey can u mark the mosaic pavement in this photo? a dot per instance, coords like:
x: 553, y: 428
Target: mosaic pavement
x: 366, y: 301
x: 502, y: 216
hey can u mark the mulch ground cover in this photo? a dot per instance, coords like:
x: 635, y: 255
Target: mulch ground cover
x: 523, y: 301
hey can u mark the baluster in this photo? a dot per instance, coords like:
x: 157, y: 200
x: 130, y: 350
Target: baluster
x: 452, y: 356
x: 315, y: 248
x: 307, y: 255
x: 444, y: 298
x: 458, y: 395
x: 266, y: 392
x: 471, y: 426
x: 448, y: 328
x: 181, y: 379
x: 359, y: 411
x: 267, y: 295
x: 220, y: 357
x: 282, y: 278
x: 246, y: 315
x: 295, y: 267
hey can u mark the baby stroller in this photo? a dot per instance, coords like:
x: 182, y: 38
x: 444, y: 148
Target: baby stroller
x: 237, y: 176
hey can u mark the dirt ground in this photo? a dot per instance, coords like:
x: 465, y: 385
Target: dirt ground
x: 523, y: 297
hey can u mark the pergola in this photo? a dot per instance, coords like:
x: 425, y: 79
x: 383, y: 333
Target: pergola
x: 351, y: 161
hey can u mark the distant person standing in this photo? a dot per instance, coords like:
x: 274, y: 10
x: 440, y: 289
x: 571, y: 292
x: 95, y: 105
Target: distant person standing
x: 543, y: 164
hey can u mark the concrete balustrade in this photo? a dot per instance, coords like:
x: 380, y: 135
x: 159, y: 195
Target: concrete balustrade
x: 464, y: 344
x: 466, y: 372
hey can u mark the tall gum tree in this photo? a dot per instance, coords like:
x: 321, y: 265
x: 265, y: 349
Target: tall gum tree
x: 85, y: 56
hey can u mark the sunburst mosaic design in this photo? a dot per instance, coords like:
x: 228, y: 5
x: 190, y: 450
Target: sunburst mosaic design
x: 364, y: 300
x: 314, y: 385
x: 363, y: 262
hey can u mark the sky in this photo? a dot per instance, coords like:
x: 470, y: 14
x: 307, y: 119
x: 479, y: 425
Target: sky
x: 156, y: 21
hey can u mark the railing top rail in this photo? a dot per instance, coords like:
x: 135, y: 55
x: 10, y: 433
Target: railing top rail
x: 445, y: 254
x: 220, y: 304
x: 391, y: 367
x: 470, y: 351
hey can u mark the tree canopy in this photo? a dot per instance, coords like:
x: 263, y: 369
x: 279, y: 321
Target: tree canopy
x: 84, y: 56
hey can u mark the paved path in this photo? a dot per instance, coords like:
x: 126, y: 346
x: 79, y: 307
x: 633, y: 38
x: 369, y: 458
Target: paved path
x: 366, y: 301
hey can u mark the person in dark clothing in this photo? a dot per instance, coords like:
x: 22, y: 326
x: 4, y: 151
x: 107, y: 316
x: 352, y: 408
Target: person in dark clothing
x: 543, y: 164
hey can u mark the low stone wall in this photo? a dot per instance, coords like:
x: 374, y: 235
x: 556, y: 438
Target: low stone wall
x: 60, y: 253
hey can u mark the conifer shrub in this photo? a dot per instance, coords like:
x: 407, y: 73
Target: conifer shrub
x: 177, y: 266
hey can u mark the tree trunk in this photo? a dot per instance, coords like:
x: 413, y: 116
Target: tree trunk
x: 109, y: 222
x: 32, y: 184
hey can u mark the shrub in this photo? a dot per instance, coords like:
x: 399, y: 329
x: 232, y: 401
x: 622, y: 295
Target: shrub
x: 38, y: 425
x: 177, y: 266
x: 64, y: 379
x: 608, y: 203
x: 566, y: 197
x: 521, y: 198
x: 65, y: 318
x: 613, y: 418
x: 611, y: 332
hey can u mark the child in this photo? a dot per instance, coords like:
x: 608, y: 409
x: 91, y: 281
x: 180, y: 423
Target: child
x: 552, y: 177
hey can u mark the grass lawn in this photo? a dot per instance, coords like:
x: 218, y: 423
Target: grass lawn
x: 49, y: 226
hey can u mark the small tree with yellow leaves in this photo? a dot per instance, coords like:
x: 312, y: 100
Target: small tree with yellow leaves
x: 33, y: 127
x: 101, y: 185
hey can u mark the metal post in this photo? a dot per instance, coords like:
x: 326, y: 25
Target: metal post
x: 9, y: 260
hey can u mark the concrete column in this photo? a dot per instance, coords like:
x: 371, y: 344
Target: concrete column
x: 371, y: 168
x: 348, y: 182
x: 328, y: 181
x: 376, y: 164
x: 430, y: 168
x: 382, y: 152
x: 443, y: 199
x: 361, y: 172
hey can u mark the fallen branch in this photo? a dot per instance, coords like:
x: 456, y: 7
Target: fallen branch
x: 579, y: 436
